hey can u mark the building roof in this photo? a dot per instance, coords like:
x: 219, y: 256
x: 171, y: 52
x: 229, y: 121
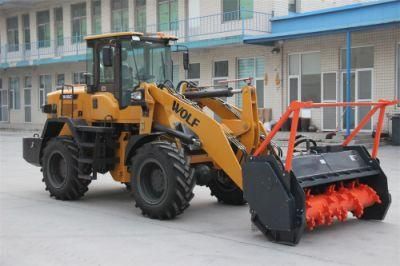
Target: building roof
x: 347, y: 18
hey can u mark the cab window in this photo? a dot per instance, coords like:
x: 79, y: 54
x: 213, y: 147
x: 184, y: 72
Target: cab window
x: 106, y: 71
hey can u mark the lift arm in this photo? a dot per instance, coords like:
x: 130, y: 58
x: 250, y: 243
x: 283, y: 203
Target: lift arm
x: 214, y: 136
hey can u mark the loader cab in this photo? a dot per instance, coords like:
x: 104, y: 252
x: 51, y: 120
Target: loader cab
x: 119, y: 62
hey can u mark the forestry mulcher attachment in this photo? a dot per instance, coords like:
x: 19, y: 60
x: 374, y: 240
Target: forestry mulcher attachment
x: 315, y: 186
x: 158, y: 140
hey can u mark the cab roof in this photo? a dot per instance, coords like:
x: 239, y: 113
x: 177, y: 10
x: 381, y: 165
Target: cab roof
x: 112, y: 35
x: 159, y: 35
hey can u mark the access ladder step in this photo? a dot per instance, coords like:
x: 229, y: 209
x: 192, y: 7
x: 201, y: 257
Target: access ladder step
x: 107, y: 160
x: 87, y: 144
x: 95, y: 129
x: 86, y: 177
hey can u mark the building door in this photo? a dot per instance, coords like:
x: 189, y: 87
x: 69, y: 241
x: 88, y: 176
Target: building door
x: 361, y: 91
x: 329, y: 95
x: 3, y: 103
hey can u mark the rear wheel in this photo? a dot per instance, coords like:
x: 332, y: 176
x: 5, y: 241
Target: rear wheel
x: 223, y: 188
x: 60, y: 172
x: 161, y: 180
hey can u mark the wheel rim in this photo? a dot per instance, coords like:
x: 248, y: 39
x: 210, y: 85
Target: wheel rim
x: 57, y: 171
x: 152, y: 181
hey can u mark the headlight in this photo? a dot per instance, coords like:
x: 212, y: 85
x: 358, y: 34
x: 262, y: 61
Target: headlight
x: 136, y: 96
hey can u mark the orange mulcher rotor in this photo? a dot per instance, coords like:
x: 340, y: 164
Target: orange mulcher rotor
x: 338, y: 202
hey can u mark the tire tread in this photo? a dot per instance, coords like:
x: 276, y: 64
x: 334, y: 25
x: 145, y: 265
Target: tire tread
x: 184, y: 179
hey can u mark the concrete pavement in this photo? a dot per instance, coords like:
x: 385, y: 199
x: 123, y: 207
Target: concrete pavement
x: 104, y: 228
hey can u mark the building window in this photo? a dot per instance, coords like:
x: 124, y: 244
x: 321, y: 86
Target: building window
x: 28, y: 99
x: 293, y: 6
x: 305, y: 77
x: 14, y: 93
x: 44, y: 88
x: 175, y: 74
x: 220, y: 72
x: 398, y: 71
x: 58, y: 26
x: 194, y: 72
x: 362, y: 64
x: 167, y: 15
x: 119, y: 15
x: 311, y: 77
x: 27, y: 31
x: 12, y: 34
x: 28, y: 82
x: 43, y: 28
x: 60, y: 80
x: 237, y: 9
x: 3, y: 103
x: 361, y: 57
x: 254, y: 68
x: 96, y: 16
x: 329, y: 95
x: 221, y: 69
x: 140, y: 15
x: 78, y: 18
x: 78, y: 78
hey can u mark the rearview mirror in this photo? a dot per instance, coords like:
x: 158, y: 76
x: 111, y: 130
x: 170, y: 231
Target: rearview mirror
x: 186, y: 60
x: 107, y: 53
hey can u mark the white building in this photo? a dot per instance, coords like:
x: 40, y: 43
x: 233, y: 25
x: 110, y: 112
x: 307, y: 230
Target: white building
x: 42, y: 46
x: 313, y: 50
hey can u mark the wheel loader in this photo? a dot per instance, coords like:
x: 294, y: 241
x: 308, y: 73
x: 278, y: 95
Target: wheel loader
x: 160, y: 141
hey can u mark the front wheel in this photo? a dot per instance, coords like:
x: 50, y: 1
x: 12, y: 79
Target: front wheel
x: 223, y: 188
x: 162, y: 181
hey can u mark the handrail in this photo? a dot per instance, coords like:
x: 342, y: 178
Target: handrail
x: 217, y: 25
x: 295, y: 108
x: 72, y: 98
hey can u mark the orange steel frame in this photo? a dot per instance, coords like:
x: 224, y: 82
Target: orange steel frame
x: 295, y: 108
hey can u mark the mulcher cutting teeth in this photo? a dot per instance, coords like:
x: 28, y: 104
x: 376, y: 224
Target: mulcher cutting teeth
x: 337, y: 202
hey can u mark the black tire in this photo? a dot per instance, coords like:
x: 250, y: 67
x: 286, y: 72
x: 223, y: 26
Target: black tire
x: 127, y: 186
x: 223, y: 188
x: 162, y: 181
x: 60, y: 170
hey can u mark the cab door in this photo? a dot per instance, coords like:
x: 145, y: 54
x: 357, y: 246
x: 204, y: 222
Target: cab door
x: 107, y: 66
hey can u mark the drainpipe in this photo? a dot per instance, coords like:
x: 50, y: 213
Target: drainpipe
x: 282, y: 77
x: 348, y: 81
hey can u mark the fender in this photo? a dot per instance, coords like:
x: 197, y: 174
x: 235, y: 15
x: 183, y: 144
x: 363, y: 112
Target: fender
x: 32, y: 147
x: 53, y: 127
x: 136, y: 142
